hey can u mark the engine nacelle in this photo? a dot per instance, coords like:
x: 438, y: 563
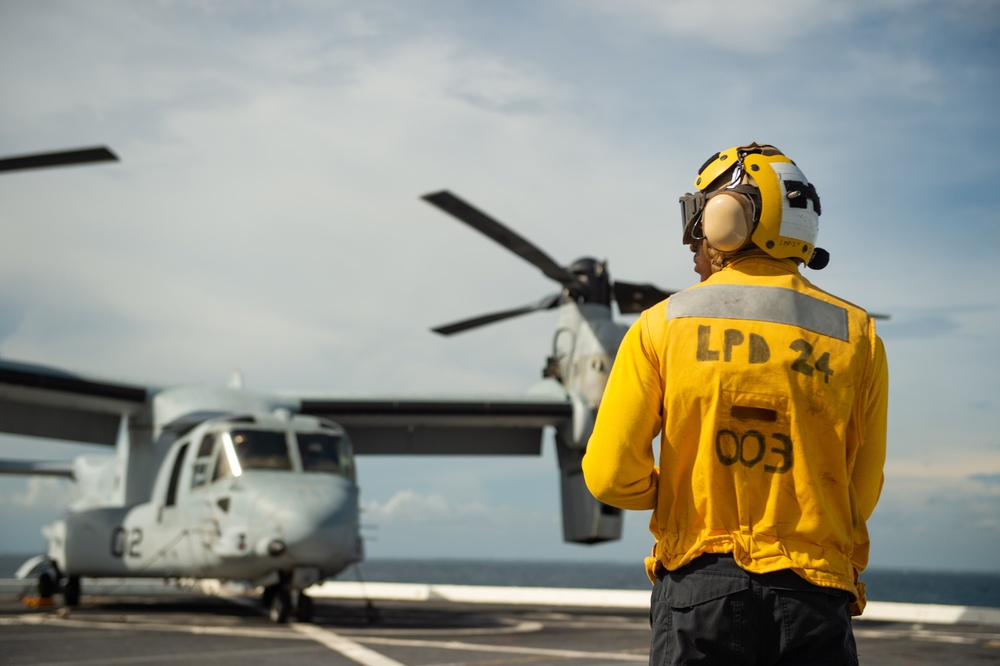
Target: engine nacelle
x: 585, y: 519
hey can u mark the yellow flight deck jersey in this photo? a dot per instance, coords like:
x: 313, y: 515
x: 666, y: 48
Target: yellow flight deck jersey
x: 769, y: 396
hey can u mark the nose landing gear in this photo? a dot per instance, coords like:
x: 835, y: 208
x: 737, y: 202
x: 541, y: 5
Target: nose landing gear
x: 283, y: 602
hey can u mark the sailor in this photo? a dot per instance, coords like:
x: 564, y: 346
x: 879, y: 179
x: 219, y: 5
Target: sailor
x: 769, y: 399
x: 702, y: 264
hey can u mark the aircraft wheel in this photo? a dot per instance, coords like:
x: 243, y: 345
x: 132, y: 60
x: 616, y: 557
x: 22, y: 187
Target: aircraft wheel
x: 71, y: 591
x: 281, y: 606
x: 372, y: 613
x: 46, y: 586
x: 268, y: 596
x: 305, y: 609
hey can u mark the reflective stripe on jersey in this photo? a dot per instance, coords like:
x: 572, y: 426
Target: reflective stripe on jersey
x: 777, y: 305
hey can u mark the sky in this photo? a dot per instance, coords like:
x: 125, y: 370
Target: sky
x: 266, y: 217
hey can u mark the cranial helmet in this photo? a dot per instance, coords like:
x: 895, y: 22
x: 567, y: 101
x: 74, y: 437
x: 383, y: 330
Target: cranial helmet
x: 754, y: 193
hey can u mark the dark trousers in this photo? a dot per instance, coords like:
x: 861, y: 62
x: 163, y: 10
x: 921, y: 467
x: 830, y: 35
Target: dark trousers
x: 713, y: 612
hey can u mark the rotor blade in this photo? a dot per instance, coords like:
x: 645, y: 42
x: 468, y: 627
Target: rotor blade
x: 633, y: 297
x: 546, y: 303
x: 876, y: 315
x: 485, y: 224
x: 62, y: 158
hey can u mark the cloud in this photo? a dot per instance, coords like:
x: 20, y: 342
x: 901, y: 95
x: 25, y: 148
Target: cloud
x: 928, y: 325
x: 408, y: 506
x: 265, y: 214
x: 935, y: 520
x: 41, y: 493
x: 28, y: 503
x: 12, y: 312
x: 428, y: 525
x: 991, y: 481
x: 730, y: 25
x: 494, y: 85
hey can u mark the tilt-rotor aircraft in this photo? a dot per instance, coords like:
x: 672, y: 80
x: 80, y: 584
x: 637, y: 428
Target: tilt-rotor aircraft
x: 233, y: 484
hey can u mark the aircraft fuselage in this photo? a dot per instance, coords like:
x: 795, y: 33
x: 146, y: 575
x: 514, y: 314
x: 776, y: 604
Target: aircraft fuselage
x: 233, y: 500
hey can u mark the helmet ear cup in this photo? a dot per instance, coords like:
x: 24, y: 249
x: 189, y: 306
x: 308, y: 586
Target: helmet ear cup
x: 727, y: 221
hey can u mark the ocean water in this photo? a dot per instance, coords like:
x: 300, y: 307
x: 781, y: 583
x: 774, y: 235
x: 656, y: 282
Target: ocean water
x: 926, y: 587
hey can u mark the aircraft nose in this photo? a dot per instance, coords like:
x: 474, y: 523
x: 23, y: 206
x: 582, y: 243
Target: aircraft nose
x: 308, y: 522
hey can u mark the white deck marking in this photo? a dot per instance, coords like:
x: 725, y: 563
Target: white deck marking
x: 367, y: 657
x: 348, y: 648
x: 511, y: 649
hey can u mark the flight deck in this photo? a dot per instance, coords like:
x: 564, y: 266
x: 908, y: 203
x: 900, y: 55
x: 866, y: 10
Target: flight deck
x: 149, y: 624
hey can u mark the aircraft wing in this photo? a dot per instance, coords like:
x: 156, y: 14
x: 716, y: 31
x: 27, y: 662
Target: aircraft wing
x: 445, y: 426
x: 47, y: 402
x: 39, y: 468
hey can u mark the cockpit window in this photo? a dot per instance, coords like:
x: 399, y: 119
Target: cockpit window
x: 207, y: 446
x: 323, y: 453
x: 203, y: 463
x: 244, y: 449
x: 256, y: 449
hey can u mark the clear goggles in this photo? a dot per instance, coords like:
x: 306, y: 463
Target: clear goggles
x: 691, y: 207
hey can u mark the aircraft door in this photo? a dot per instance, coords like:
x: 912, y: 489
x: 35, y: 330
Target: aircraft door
x: 201, y: 512
x: 167, y: 536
